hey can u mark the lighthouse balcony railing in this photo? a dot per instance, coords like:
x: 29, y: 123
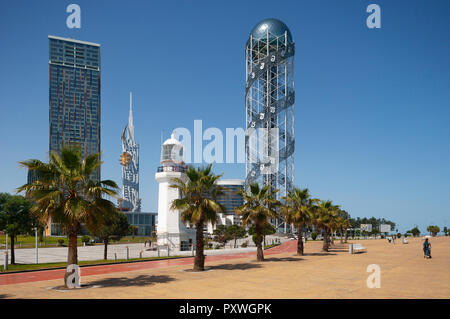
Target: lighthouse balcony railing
x: 177, y: 168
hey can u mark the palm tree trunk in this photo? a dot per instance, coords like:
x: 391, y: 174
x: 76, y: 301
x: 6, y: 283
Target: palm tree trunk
x: 325, y: 239
x: 72, y: 255
x: 341, y: 235
x: 346, y: 236
x: 199, y: 260
x: 300, y: 240
x: 13, y: 255
x: 235, y: 239
x: 105, y: 252
x: 259, y: 239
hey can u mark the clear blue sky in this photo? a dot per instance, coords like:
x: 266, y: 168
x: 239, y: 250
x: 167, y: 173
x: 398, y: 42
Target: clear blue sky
x: 372, y: 106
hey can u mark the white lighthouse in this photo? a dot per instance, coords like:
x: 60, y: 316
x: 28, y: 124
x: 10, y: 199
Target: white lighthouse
x: 171, y: 230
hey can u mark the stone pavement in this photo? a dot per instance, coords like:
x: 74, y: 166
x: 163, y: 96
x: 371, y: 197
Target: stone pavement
x: 24, y: 277
x: 336, y: 274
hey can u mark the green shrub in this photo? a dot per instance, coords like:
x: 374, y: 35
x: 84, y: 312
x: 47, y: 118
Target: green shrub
x: 244, y: 244
x: 85, y: 239
x: 313, y: 235
x: 254, y: 238
x: 217, y: 246
x: 61, y: 242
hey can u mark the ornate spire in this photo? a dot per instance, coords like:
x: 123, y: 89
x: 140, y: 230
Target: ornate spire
x: 130, y: 166
x: 130, y: 119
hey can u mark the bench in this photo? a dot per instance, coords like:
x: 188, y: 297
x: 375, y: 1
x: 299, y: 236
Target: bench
x: 355, y: 248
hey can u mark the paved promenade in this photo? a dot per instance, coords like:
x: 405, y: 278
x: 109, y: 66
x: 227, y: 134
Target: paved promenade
x: 14, y: 278
x: 59, y: 254
x: 336, y: 274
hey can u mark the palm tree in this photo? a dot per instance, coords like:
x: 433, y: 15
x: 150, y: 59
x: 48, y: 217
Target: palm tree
x: 198, y: 204
x: 66, y: 193
x: 259, y: 205
x: 298, y: 211
x: 342, y: 223
x: 323, y: 218
x: 334, y: 222
x: 346, y: 224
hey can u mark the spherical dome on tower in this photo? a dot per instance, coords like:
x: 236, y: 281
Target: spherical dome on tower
x: 274, y: 26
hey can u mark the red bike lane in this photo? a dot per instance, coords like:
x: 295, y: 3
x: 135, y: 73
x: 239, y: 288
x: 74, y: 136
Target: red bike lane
x: 32, y: 276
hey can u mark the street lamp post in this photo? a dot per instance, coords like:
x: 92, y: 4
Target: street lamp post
x: 36, y: 241
x: 6, y: 253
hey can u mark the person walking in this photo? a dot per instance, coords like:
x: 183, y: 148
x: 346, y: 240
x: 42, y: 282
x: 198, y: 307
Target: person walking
x: 393, y: 240
x: 426, y: 249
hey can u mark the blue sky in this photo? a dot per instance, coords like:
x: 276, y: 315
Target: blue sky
x: 372, y: 107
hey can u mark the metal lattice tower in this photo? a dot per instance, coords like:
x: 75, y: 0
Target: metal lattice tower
x: 269, y: 102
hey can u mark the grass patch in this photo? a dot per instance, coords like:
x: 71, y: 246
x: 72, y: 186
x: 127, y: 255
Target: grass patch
x: 29, y: 241
x: 22, y: 267
x: 270, y: 246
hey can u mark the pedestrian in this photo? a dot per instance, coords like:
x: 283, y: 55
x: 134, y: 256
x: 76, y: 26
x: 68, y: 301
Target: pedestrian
x: 389, y: 240
x: 426, y: 249
x: 393, y: 240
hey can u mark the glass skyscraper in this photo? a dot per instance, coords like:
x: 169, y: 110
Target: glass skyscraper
x: 230, y: 199
x: 74, y: 95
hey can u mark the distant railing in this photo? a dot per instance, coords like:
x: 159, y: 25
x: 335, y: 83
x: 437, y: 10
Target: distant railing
x: 177, y: 168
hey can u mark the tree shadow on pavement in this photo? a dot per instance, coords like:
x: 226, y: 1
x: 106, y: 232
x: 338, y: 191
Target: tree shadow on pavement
x: 338, y: 249
x: 141, y: 280
x: 283, y: 259
x: 320, y: 254
x: 243, y: 266
x: 4, y: 296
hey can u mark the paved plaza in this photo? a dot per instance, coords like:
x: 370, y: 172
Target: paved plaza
x: 336, y: 274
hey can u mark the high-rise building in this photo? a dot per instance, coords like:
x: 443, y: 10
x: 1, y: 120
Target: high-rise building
x: 130, y: 167
x: 32, y: 176
x: 74, y: 95
x: 74, y: 100
x: 269, y: 102
x: 230, y: 200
